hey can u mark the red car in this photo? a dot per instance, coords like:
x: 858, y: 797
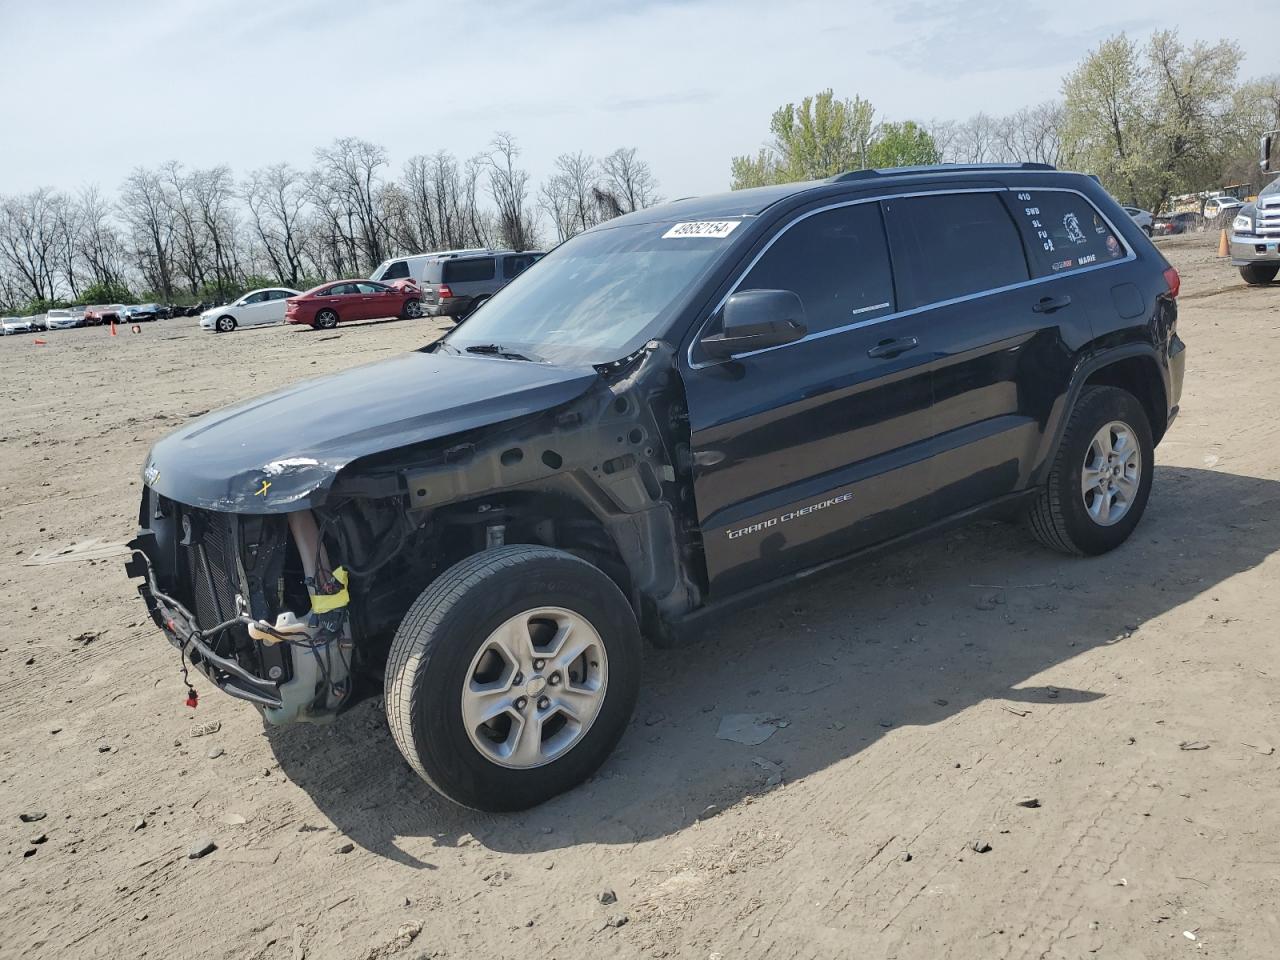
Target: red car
x: 323, y: 306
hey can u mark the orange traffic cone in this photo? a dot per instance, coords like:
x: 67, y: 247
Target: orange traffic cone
x: 39, y: 342
x: 1224, y: 249
x: 113, y: 328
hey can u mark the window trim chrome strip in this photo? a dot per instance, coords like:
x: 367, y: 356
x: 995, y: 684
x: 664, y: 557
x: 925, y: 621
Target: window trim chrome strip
x: 1129, y: 257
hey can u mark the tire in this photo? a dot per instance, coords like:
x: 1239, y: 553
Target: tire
x: 412, y: 309
x: 224, y: 324
x: 1068, y: 519
x: 325, y: 320
x: 1259, y: 274
x: 1147, y: 230
x: 451, y: 628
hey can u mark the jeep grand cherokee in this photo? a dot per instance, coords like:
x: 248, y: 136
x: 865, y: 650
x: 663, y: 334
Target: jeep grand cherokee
x: 671, y: 412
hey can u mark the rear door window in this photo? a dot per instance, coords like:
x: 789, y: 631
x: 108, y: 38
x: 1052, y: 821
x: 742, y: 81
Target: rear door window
x: 514, y: 266
x: 468, y: 271
x: 952, y: 245
x: 1063, y: 230
x: 837, y: 262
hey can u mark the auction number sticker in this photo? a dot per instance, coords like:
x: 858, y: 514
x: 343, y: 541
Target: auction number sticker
x: 715, y: 229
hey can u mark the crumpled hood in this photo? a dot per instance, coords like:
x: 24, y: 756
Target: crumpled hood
x: 280, y: 452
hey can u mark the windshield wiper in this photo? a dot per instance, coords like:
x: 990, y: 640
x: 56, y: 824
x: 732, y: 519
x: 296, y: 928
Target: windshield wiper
x: 497, y: 350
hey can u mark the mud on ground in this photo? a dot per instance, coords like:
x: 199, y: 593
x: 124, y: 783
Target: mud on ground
x: 916, y: 699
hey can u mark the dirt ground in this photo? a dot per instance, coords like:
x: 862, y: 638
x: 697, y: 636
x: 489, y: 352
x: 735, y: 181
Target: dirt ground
x: 916, y: 699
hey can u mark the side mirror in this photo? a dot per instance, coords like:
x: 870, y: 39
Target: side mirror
x: 756, y: 320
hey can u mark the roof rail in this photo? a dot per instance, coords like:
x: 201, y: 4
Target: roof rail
x: 871, y: 174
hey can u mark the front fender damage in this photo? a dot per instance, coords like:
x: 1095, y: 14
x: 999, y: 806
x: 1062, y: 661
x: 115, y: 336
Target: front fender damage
x: 619, y: 452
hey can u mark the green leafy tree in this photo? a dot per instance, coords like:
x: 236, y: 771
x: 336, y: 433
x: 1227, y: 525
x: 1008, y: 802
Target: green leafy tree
x: 1153, y: 120
x: 820, y: 137
x: 108, y: 292
x: 903, y: 144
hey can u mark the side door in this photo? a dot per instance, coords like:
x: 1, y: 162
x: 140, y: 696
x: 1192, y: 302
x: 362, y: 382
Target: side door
x: 810, y: 450
x: 378, y: 301
x: 343, y: 298
x: 1006, y: 340
x: 251, y: 310
x: 273, y: 309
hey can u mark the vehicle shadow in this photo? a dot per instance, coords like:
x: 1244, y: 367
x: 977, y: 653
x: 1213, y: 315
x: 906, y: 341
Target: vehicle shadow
x: 910, y: 639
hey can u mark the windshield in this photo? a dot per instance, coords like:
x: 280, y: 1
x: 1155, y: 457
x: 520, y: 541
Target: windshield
x: 1271, y: 188
x: 597, y: 297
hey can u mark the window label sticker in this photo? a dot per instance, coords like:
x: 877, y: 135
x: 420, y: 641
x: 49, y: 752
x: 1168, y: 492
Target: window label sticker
x: 715, y: 229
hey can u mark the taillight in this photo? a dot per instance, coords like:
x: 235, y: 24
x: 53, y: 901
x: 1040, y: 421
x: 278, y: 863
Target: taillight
x: 1173, y: 281
x: 444, y: 292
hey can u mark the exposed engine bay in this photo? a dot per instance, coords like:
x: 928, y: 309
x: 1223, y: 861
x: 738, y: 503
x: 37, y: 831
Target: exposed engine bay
x: 289, y: 607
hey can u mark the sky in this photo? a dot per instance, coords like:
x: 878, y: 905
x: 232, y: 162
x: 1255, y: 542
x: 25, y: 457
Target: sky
x: 91, y: 89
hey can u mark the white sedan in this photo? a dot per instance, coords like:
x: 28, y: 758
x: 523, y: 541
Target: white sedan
x: 254, y: 309
x: 12, y: 325
x: 62, y: 320
x: 1142, y: 218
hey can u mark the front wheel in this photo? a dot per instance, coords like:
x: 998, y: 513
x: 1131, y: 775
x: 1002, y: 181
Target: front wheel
x: 412, y: 309
x: 225, y: 324
x: 1101, y: 478
x: 1259, y: 274
x: 325, y: 320
x: 513, y: 676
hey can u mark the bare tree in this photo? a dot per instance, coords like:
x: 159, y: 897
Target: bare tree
x: 213, y: 195
x: 556, y: 201
x: 145, y: 208
x: 29, y: 241
x: 348, y: 175
x: 98, y: 243
x: 509, y: 187
x: 629, y: 180
x: 276, y: 198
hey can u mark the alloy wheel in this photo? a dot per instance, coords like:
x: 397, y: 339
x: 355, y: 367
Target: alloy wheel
x: 1112, y: 473
x: 534, y: 687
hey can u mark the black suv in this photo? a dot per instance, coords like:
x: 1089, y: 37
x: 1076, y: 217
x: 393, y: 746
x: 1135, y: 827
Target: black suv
x: 669, y: 413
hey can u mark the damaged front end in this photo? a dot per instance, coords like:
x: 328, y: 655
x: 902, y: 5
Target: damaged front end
x: 285, y: 581
x: 251, y: 602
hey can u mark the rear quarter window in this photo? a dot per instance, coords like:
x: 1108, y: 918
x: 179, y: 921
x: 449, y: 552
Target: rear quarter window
x: 468, y: 271
x: 1063, y: 230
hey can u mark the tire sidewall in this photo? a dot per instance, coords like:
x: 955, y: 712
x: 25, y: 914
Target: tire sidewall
x: 225, y: 324
x: 412, y: 309
x: 453, y: 764
x: 326, y: 320
x: 1104, y: 407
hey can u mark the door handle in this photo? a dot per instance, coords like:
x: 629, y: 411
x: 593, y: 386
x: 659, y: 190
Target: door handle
x: 887, y: 349
x: 1050, y: 304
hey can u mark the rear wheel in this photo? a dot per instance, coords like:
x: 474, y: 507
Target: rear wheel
x: 325, y: 320
x: 225, y: 324
x: 1101, y: 478
x: 1259, y: 274
x: 513, y: 676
